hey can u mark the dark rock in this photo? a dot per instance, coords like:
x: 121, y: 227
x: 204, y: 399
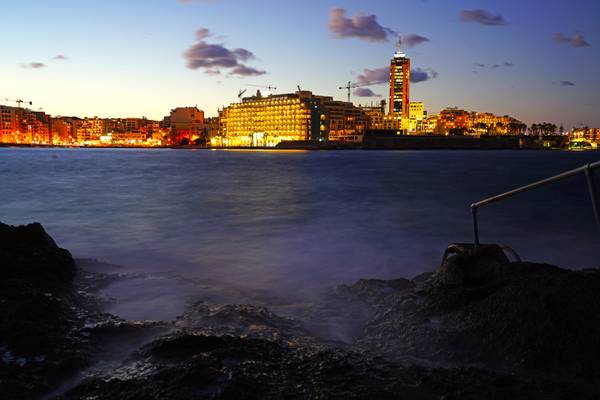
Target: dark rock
x: 38, y: 309
x: 28, y: 254
x: 371, y: 290
x: 228, y: 367
x: 480, y: 309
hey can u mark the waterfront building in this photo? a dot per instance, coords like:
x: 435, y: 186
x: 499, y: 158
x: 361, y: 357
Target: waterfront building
x: 135, y: 124
x: 343, y: 121
x: 89, y: 130
x: 591, y: 134
x: 259, y: 121
x: 128, y: 138
x: 38, y: 124
x: 457, y: 121
x: 400, y: 83
x: 379, y: 120
x: 8, y: 124
x: 63, y: 130
x: 453, y: 121
x: 212, y: 127
x: 21, y: 125
x: 417, y: 111
x: 187, y: 124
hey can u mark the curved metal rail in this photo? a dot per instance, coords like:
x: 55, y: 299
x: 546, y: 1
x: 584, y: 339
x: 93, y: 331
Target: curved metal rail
x: 588, y: 169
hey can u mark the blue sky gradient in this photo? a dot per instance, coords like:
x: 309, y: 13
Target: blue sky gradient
x: 126, y: 58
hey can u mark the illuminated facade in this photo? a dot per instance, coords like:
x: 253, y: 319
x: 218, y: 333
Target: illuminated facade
x: 417, y: 111
x: 400, y: 84
x: 64, y: 130
x: 8, y: 124
x: 343, y: 121
x: 187, y: 124
x: 89, y: 130
x: 21, y: 125
x: 379, y: 120
x: 267, y: 121
x: 457, y: 121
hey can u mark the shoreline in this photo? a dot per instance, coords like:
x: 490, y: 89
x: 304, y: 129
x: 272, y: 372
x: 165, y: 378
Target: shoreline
x: 297, y: 148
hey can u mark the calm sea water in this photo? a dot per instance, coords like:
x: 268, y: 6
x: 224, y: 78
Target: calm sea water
x: 287, y: 221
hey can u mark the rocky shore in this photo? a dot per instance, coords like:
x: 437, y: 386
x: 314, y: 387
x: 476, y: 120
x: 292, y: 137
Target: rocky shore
x: 479, y: 327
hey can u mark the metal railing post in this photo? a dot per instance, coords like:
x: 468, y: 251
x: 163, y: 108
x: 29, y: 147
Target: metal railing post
x: 587, y: 169
x: 475, y: 226
x: 589, y: 174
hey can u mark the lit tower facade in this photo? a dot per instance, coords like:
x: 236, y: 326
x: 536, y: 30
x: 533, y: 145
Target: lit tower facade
x: 400, y: 83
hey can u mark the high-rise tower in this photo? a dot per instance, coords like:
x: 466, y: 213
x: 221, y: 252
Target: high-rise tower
x: 400, y: 83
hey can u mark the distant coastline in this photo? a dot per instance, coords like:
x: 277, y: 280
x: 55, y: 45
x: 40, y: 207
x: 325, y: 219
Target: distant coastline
x: 380, y: 142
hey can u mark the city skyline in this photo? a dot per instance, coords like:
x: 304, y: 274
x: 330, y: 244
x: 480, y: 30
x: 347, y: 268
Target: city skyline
x: 117, y: 58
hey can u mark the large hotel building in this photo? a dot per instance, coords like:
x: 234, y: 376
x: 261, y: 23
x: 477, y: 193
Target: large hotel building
x: 259, y: 121
x: 400, y: 84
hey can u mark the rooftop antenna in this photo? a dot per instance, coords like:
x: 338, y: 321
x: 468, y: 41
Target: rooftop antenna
x: 399, y: 52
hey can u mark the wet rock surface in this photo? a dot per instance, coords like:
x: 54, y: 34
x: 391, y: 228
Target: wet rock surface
x: 480, y: 327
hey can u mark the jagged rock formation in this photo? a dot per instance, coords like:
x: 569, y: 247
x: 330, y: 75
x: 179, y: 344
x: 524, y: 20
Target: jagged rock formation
x: 37, y: 309
x: 482, y: 310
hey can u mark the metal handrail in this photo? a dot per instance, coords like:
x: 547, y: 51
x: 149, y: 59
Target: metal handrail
x: 588, y: 169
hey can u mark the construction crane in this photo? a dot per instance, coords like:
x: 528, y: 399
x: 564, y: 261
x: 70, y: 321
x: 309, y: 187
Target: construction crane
x: 349, y: 86
x: 241, y: 93
x: 265, y: 87
x: 18, y: 101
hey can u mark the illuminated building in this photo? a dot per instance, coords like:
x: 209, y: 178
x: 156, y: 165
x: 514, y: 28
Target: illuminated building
x: 587, y: 133
x: 8, y: 124
x: 259, y: 121
x: 400, y: 83
x: 128, y: 138
x: 64, y: 130
x: 346, y: 123
x: 21, y: 125
x: 187, y: 124
x: 89, y: 130
x: 38, y: 124
x: 417, y: 111
x: 453, y: 121
x: 379, y: 120
x: 456, y: 121
x: 212, y: 127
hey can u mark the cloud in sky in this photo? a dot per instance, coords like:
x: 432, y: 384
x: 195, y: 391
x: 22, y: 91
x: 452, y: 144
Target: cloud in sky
x: 214, y: 58
x: 365, y: 92
x: 33, y: 65
x: 360, y: 26
x: 505, y: 64
x: 60, y: 57
x: 374, y: 76
x: 421, y: 75
x: 482, y: 17
x: 382, y: 75
x: 575, y: 41
x: 412, y: 39
x: 566, y: 83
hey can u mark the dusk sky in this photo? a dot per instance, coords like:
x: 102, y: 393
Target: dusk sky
x: 535, y: 60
